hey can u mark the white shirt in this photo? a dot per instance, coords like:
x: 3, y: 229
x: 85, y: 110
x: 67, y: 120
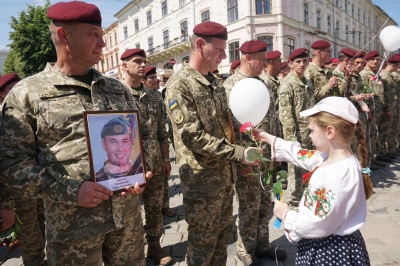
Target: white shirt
x: 334, y: 201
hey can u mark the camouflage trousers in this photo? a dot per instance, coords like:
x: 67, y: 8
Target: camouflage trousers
x: 209, y: 218
x: 295, y: 187
x: 152, y: 198
x: 385, y: 125
x: 120, y: 247
x: 394, y: 133
x: 165, y: 202
x: 31, y: 214
x: 253, y: 216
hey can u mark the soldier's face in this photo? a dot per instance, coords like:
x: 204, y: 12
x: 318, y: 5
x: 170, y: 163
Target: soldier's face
x: 151, y: 82
x: 85, y: 43
x: 135, y: 67
x: 358, y: 65
x: 213, y: 53
x: 299, y: 65
x: 118, y: 148
x: 374, y: 63
x: 257, y: 62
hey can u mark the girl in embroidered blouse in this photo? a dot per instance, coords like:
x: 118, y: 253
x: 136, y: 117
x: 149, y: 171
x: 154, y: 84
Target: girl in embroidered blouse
x: 333, y: 206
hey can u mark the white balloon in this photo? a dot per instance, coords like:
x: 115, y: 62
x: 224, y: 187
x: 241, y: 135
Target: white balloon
x: 249, y: 101
x: 390, y: 38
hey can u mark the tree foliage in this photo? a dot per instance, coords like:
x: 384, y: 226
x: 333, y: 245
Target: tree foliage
x: 31, y: 46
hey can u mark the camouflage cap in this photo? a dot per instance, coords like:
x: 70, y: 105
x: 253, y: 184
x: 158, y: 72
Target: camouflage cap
x: 116, y: 126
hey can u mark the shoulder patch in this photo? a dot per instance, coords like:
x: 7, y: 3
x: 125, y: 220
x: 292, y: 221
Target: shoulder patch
x: 172, y: 105
x: 177, y: 116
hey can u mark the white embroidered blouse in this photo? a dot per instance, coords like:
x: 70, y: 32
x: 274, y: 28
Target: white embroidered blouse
x: 334, y: 200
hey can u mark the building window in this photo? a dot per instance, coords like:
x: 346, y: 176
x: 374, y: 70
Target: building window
x: 164, y: 8
x: 115, y: 38
x: 347, y: 33
x: 352, y: 10
x: 263, y: 7
x: 318, y: 19
x: 107, y: 64
x: 185, y: 59
x: 268, y: 40
x: 234, y: 52
x: 306, y: 14
x: 150, y: 43
x: 364, y: 18
x: 116, y: 59
x: 359, y: 38
x: 329, y: 24
x: 308, y: 46
x: 110, y: 41
x: 345, y: 6
x: 126, y: 32
x: 138, y: 45
x: 149, y: 18
x: 112, y: 61
x: 182, y: 2
x: 337, y: 2
x: 337, y: 29
x: 290, y: 44
x: 369, y: 22
x: 205, y: 16
x: 166, y: 39
x: 136, y: 22
x: 233, y: 13
x: 184, y: 30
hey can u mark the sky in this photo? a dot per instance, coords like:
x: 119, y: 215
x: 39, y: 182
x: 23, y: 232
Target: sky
x: 109, y: 8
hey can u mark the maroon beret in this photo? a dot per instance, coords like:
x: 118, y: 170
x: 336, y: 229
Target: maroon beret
x: 75, y: 11
x: 273, y: 55
x: 371, y: 54
x: 321, y: 44
x: 348, y: 52
x: 7, y: 79
x: 131, y: 52
x: 283, y: 65
x: 395, y: 58
x: 335, y: 61
x: 253, y: 46
x: 150, y: 71
x: 235, y: 64
x: 298, y: 53
x: 211, y: 29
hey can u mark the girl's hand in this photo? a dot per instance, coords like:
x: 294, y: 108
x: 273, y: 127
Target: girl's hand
x: 280, y: 208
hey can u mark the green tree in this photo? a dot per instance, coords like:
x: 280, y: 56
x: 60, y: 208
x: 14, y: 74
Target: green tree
x: 31, y: 46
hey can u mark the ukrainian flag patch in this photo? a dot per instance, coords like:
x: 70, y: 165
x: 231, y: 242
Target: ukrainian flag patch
x: 173, y: 104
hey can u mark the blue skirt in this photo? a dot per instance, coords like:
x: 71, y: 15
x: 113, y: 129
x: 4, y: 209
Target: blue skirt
x: 333, y: 250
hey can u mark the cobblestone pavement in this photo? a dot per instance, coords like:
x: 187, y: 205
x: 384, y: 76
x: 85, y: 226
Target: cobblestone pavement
x: 381, y: 230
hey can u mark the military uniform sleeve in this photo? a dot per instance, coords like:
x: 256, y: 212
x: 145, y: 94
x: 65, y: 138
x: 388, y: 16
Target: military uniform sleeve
x: 320, y: 92
x: 186, y: 121
x: 286, y: 111
x: 162, y: 134
x: 19, y: 167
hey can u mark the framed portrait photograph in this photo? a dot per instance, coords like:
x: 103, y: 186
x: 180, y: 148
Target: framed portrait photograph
x: 115, y: 148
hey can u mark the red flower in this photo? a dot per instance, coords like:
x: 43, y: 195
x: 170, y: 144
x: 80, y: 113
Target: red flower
x: 373, y: 78
x: 246, y: 127
x: 303, y: 152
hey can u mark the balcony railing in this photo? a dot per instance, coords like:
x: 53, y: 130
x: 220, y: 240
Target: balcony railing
x: 168, y: 45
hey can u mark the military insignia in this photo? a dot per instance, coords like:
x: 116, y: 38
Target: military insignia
x: 177, y: 116
x: 173, y: 104
x: 118, y: 129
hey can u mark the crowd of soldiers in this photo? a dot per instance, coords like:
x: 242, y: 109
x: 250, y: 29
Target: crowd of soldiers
x: 44, y: 157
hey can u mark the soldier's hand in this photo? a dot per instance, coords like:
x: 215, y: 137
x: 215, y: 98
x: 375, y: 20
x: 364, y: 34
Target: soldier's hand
x: 166, y: 168
x: 91, y: 194
x: 333, y: 82
x: 135, y: 190
x: 7, y: 217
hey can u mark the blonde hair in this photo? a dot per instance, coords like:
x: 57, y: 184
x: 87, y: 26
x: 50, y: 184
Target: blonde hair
x: 347, y: 130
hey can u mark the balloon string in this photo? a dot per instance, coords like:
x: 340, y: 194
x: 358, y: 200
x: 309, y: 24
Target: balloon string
x: 386, y: 54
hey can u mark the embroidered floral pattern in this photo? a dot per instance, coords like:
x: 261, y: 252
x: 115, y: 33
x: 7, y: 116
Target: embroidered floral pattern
x: 319, y: 200
x: 307, y: 176
x: 305, y: 154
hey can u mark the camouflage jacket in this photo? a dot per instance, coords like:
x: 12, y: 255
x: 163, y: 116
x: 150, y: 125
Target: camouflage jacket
x: 350, y: 87
x: 375, y: 86
x: 295, y: 95
x: 152, y: 119
x: 273, y: 87
x: 319, y: 78
x: 198, y: 107
x: 388, y: 90
x: 396, y: 77
x: 43, y: 150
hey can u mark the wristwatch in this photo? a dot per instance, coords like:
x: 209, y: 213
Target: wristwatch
x: 167, y: 160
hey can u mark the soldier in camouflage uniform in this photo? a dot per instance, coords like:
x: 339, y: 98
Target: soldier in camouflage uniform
x: 254, y: 201
x: 396, y: 122
x: 374, y: 85
x: 30, y: 211
x: 323, y: 81
x: 43, y: 148
x: 197, y: 105
x: 389, y: 77
x: 152, y: 124
x: 150, y: 81
x: 296, y: 94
